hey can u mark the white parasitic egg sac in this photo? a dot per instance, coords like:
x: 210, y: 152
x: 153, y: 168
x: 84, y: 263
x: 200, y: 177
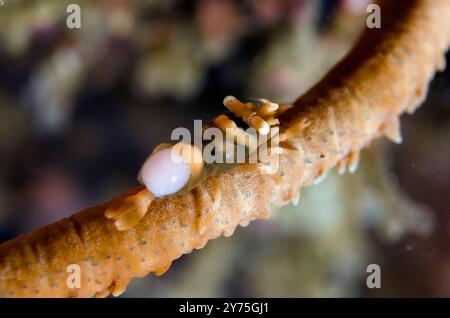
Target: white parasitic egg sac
x: 165, y: 172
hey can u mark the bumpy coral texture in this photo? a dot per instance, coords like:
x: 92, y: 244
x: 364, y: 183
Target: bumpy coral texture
x: 386, y: 74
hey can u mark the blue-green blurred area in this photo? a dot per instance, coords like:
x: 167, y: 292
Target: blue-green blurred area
x: 81, y: 109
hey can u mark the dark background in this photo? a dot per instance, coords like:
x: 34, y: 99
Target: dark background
x: 80, y: 110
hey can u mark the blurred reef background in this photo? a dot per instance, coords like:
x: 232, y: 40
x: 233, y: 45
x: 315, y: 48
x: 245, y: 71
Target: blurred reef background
x: 80, y: 109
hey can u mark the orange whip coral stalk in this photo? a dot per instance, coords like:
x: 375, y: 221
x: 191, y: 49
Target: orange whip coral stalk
x: 386, y: 74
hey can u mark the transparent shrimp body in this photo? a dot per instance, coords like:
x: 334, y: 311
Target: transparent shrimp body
x: 172, y: 169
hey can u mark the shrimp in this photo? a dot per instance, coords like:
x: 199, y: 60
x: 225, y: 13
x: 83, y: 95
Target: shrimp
x: 177, y: 169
